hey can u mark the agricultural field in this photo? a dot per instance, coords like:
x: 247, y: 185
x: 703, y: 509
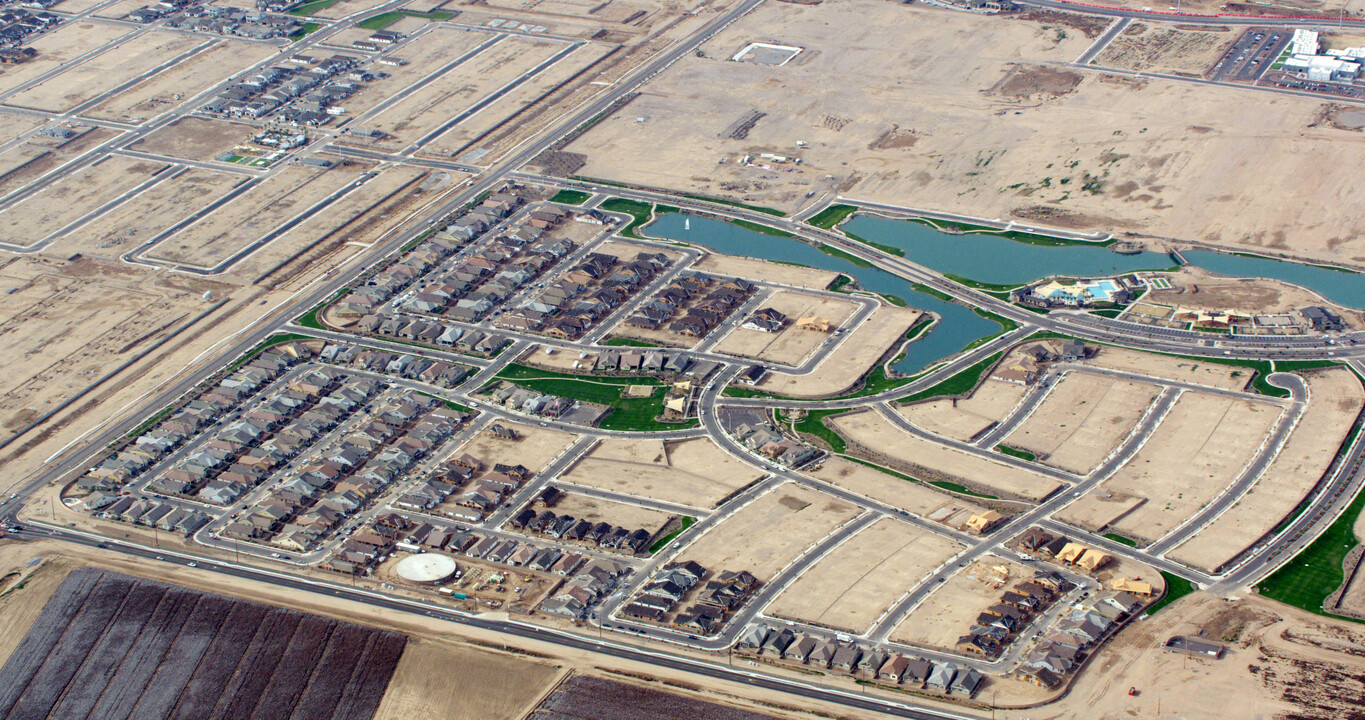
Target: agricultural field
x: 951, y: 609
x: 857, y: 353
x: 59, y: 47
x: 1335, y: 400
x: 792, y: 344
x: 107, y: 645
x: 72, y: 197
x: 965, y: 418
x: 694, y: 472
x: 1200, y: 447
x: 171, y: 87
x: 589, y: 698
x: 932, y: 461
x: 534, y: 446
x: 913, y: 497
x: 852, y: 586
x: 108, y: 70
x: 766, y: 534
x: 1082, y: 420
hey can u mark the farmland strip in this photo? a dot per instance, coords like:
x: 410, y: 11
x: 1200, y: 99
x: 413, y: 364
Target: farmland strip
x: 374, y: 671
x: 220, y: 661
x: 210, y: 616
x: 291, y: 674
x: 333, y: 673
x: 146, y: 655
x: 23, y: 664
x: 258, y: 664
x: 103, y: 660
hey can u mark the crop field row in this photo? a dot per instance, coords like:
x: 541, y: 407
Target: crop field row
x: 113, y: 646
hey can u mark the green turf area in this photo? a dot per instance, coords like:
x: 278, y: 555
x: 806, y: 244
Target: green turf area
x: 663, y: 542
x: 1176, y: 587
x: 1316, y: 572
x: 740, y: 392
x: 812, y: 425
x: 1016, y: 452
x: 638, y: 414
x: 312, y: 7
x: 628, y: 342
x: 571, y: 197
x: 836, y: 252
x: 642, y: 213
x: 450, y: 403
x: 959, y: 384
x: 1108, y: 313
x: 383, y: 20
x: 941, y: 484
x: 831, y: 216
x: 840, y: 283
x: 888, y: 249
x: 306, y: 30
x: 1121, y: 539
x: 761, y: 228
x: 735, y: 203
x: 978, y: 285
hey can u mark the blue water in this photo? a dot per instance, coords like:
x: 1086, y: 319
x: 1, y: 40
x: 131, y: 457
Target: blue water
x: 957, y: 327
x: 995, y: 259
x: 1344, y: 288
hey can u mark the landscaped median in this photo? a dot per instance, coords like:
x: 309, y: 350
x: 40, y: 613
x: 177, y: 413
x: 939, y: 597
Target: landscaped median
x: 627, y: 414
x: 1316, y: 572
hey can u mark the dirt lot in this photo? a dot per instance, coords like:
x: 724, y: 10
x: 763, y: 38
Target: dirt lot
x: 763, y: 536
x: 965, y: 418
x: 1172, y: 368
x: 1159, y: 48
x: 72, y: 197
x: 195, y: 138
x: 1198, y: 449
x: 855, y: 583
x: 692, y: 472
x: 870, y: 430
x: 1196, y: 288
x: 854, y: 356
x: 949, y: 612
x: 771, y: 272
x: 166, y: 90
x: 1083, y: 419
x: 111, y: 69
x: 918, y: 498
x: 59, y: 47
x: 534, y: 447
x: 253, y: 214
x: 463, y: 683
x: 44, y: 156
x: 617, y: 513
x: 1335, y: 399
x: 792, y: 344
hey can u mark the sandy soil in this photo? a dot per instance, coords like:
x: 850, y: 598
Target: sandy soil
x: 436, y: 679
x: 59, y: 47
x: 1159, y: 48
x: 534, y: 448
x: 1082, y: 420
x: 424, y: 55
x: 965, y: 418
x: 15, y: 124
x: 617, y: 513
x: 1172, y: 368
x: 765, y: 535
x: 1200, y: 447
x: 871, y: 430
x: 855, y: 583
x: 56, y: 155
x: 792, y: 344
x: 771, y: 272
x: 949, y: 612
x: 111, y: 69
x: 1193, y: 287
x: 195, y: 138
x: 72, y: 197
x: 1335, y: 399
x: 692, y: 472
x: 918, y: 498
x: 857, y: 354
x: 166, y: 90
x: 347, y: 7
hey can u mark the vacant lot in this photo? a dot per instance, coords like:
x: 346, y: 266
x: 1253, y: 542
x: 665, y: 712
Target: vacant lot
x: 534, y: 447
x: 59, y: 47
x: 691, y: 472
x: 791, y: 344
x: 1211, y: 374
x: 965, y: 418
x: 772, y: 272
x: 436, y: 680
x: 951, y: 610
x: 72, y: 197
x: 1198, y: 449
x: 590, y: 698
x: 254, y: 214
x: 98, y: 75
x: 621, y: 514
x: 856, y: 354
x: 195, y: 138
x: 108, y: 645
x: 1083, y: 419
x: 919, y: 498
x: 1156, y: 48
x: 940, y: 462
x: 168, y: 89
x: 426, y: 57
x: 765, y: 535
x: 854, y: 584
x: 1335, y: 399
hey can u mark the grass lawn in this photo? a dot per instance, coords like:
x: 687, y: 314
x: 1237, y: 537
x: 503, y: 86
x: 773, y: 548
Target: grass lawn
x: 663, y: 542
x: 1307, y: 580
x: 383, y: 20
x: 1121, y: 539
x: 761, y: 228
x: 306, y: 30
x: 888, y: 249
x: 836, y: 252
x: 831, y: 216
x: 637, y: 414
x: 312, y: 7
x: 1176, y: 587
x: 961, y: 383
x: 812, y: 425
x: 641, y: 212
x: 1016, y: 452
x: 571, y: 197
x: 628, y: 342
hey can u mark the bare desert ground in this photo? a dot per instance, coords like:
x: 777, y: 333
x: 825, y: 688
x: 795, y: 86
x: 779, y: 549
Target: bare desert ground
x: 534, y: 447
x: 169, y: 88
x: 1083, y: 419
x: 1195, y: 288
x: 72, y: 197
x: 195, y: 138
x: 854, y: 584
x: 856, y: 354
x: 1159, y: 48
x: 1172, y: 368
x: 108, y: 70
x: 776, y: 273
x: 949, y: 611
x: 965, y: 418
x: 598, y: 510
x: 691, y: 472
x: 919, y: 498
x: 440, y: 680
x: 60, y: 47
x: 791, y: 344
